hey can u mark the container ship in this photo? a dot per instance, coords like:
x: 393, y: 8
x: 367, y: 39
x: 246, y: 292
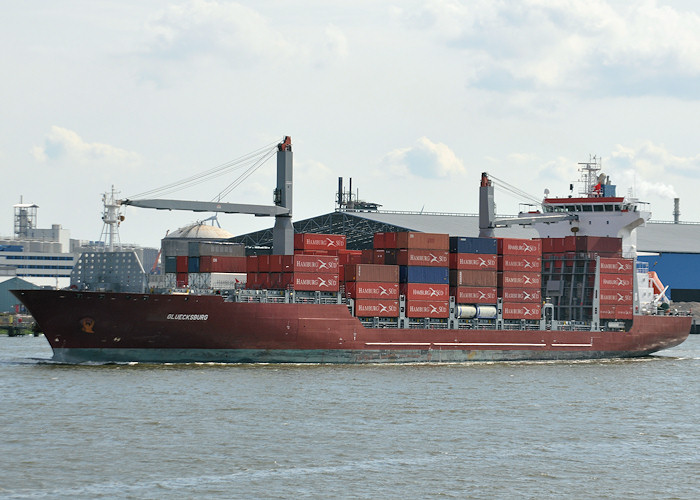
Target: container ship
x: 577, y: 292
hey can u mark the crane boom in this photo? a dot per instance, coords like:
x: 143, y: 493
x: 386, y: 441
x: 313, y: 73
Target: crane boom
x: 209, y: 206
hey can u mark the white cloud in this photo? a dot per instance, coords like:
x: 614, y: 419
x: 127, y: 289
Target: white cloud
x: 239, y: 35
x: 650, y: 168
x: 426, y: 159
x: 594, y: 46
x: 61, y: 143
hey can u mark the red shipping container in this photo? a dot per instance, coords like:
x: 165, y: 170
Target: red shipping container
x: 616, y: 297
x: 424, y: 291
x: 527, y: 263
x: 465, y: 277
x: 251, y: 263
x: 181, y: 264
x: 310, y: 263
x: 182, y: 279
x: 595, y: 244
x: 312, y: 241
x: 418, y: 257
x: 474, y: 294
x: 371, y: 290
x: 430, y: 241
x: 514, y: 310
x: 473, y: 261
x: 516, y: 246
x: 225, y: 264
x: 522, y: 295
x: 378, y: 240
x: 263, y: 263
x: 616, y: 282
x: 615, y: 266
x: 349, y: 257
x: 514, y: 279
x: 379, y: 257
x: 609, y: 311
x: 252, y: 280
x: 367, y: 257
x: 372, y: 272
x: 315, y: 282
x: 370, y: 308
x: 427, y: 309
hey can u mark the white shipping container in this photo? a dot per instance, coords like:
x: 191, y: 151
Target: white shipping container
x: 217, y: 281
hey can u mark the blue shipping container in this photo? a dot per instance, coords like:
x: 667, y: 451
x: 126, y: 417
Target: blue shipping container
x: 424, y: 274
x: 464, y: 244
x: 10, y: 248
x: 193, y: 265
x: 171, y: 264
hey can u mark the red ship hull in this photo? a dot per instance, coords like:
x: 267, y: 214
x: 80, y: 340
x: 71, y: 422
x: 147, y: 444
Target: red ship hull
x: 119, y: 327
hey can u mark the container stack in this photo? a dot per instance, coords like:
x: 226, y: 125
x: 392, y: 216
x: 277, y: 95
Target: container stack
x: 205, y: 265
x: 423, y: 264
x: 375, y: 289
x: 520, y: 278
x: 616, y: 288
x: 313, y: 267
x: 568, y: 277
x: 473, y: 264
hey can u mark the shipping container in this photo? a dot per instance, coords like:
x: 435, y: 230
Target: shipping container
x: 522, y: 295
x: 513, y: 310
x: 374, y: 308
x: 515, y: 279
x: 378, y: 241
x: 346, y: 257
x: 593, y: 244
x: 616, y: 297
x: 473, y: 261
x: 227, y: 264
x: 371, y: 290
x: 263, y: 263
x: 182, y: 280
x: 463, y: 244
x: 215, y: 248
x: 217, y: 281
x: 309, y: 263
x: 424, y: 274
x: 417, y: 240
x: 372, y: 272
x: 466, y: 277
x: 427, y: 309
x: 528, y: 263
x: 425, y: 291
x: 170, y: 264
x: 181, y: 264
x: 251, y: 263
x: 474, y: 294
x: 616, y: 265
x: 368, y: 256
x: 417, y: 257
x: 312, y: 241
x: 609, y: 311
x: 518, y: 246
x: 617, y: 282
x: 193, y: 264
x: 314, y: 281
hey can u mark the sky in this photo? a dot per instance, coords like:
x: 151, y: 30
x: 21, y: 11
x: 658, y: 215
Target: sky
x: 412, y: 99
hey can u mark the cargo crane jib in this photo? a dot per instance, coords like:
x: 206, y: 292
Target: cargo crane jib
x: 283, y: 231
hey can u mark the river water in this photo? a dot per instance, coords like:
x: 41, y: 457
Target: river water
x: 594, y: 429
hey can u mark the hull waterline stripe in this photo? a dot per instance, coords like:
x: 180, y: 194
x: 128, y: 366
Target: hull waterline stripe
x: 453, y: 344
x: 399, y: 343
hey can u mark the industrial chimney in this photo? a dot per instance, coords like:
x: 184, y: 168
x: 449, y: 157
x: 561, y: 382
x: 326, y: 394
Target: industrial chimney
x: 676, y: 210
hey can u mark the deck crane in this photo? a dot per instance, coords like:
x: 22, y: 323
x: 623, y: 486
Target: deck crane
x: 283, y: 231
x: 487, y: 218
